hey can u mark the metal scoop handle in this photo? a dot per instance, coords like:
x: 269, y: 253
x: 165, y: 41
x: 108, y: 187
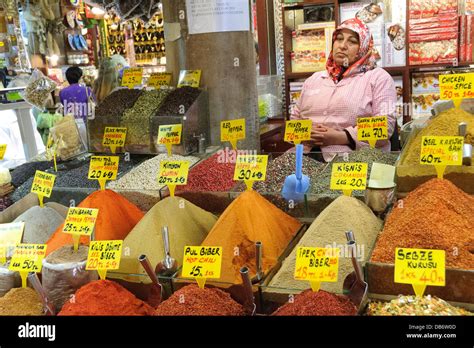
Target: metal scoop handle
x: 249, y: 303
x: 35, y: 282
x: 149, y: 270
x: 166, y: 244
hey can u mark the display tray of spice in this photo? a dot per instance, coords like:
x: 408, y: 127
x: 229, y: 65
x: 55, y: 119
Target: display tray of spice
x: 437, y: 215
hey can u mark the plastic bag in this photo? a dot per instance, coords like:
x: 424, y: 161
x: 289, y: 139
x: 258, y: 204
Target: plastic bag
x: 67, y: 138
x: 8, y: 280
x: 38, y: 90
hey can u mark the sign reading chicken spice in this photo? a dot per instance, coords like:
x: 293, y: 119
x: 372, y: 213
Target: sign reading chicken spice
x: 170, y: 135
x: 3, y: 149
x: 441, y: 151
x: 420, y: 267
x: 104, y: 255
x: 456, y: 87
x: 80, y: 222
x: 349, y: 177
x: 371, y: 129
x: 157, y: 80
x: 298, y: 131
x: 114, y: 137
x: 27, y: 258
x: 132, y: 77
x: 173, y: 173
x: 191, y: 78
x: 103, y: 168
x: 43, y: 185
x: 10, y: 235
x: 316, y: 265
x: 202, y: 262
x: 232, y: 131
x: 250, y: 168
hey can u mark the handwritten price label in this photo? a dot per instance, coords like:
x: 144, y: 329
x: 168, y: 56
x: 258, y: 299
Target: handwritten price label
x: 232, y: 131
x: 202, y: 262
x: 191, y: 78
x: 43, y: 184
x: 298, y: 131
x: 173, y: 172
x: 28, y: 258
x: 114, y: 137
x: 251, y: 168
x: 3, y: 149
x: 103, y: 167
x: 80, y: 221
x: 456, y: 87
x: 10, y: 235
x: 170, y: 134
x: 104, y: 255
x: 317, y: 264
x: 437, y: 150
x: 349, y: 176
x: 371, y: 129
x: 157, y: 80
x: 132, y: 77
x: 420, y: 267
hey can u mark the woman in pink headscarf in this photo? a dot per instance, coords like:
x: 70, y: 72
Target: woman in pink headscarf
x: 350, y: 87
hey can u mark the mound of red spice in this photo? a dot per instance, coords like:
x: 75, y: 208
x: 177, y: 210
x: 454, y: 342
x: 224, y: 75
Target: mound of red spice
x: 191, y: 300
x: 105, y: 297
x: 317, y: 303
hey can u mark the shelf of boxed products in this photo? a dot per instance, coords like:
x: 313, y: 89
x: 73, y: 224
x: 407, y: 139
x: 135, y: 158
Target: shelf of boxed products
x: 288, y: 4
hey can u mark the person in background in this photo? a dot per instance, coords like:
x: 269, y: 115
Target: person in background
x: 110, y: 74
x: 349, y: 88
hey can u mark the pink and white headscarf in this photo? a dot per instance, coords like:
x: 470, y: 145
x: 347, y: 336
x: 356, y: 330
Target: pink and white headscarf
x: 365, y: 59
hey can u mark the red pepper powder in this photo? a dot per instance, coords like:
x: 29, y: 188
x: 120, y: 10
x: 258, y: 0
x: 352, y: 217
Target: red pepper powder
x: 105, y: 297
x: 191, y: 300
x: 310, y: 303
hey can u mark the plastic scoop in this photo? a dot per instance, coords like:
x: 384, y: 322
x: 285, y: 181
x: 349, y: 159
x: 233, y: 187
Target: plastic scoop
x: 296, y: 185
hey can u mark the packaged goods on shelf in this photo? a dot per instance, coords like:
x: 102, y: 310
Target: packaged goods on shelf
x: 394, y: 52
x: 21, y: 302
x: 398, y: 80
x: 67, y: 139
x: 433, y: 49
x: 432, y: 8
x: 295, y: 93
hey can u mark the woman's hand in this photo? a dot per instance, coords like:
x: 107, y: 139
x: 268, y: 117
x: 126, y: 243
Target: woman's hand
x: 325, y: 136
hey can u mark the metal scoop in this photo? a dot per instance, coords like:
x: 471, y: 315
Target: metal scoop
x: 157, y: 290
x: 296, y: 185
x: 168, y: 266
x: 258, y: 262
x: 354, y: 285
x: 249, y: 302
x: 467, y: 148
x: 35, y: 282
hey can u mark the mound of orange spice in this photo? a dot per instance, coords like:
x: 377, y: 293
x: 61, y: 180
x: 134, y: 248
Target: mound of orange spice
x: 437, y: 215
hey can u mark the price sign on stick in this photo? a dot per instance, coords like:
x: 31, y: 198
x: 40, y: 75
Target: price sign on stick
x: 132, y: 77
x: 420, y: 267
x: 456, y: 87
x: 191, y: 78
x: 349, y: 177
x: 43, y: 185
x: 157, y: 80
x: 173, y: 173
x: 3, y: 149
x: 80, y: 222
x: 317, y: 265
x: 103, y: 168
x: 298, y: 131
x: 233, y: 131
x: 371, y: 129
x: 10, y: 235
x: 251, y: 168
x: 27, y: 258
x: 441, y: 152
x: 104, y: 255
x: 201, y: 263
x: 170, y: 135
x: 114, y: 137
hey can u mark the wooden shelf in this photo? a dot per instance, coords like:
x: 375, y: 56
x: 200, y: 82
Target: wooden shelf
x: 302, y: 4
x: 299, y: 75
x: 440, y: 66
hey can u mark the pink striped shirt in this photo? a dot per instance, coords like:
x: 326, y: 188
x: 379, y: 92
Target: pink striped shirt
x: 339, y: 105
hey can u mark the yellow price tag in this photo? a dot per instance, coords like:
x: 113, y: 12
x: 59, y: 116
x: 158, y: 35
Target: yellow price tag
x: 191, y: 78
x: 297, y: 131
x: 250, y: 168
x: 456, y: 87
x: 27, y: 258
x: 349, y: 177
x: 232, y: 131
x: 104, y: 255
x: 441, y: 151
x: 132, y: 77
x: 43, y: 185
x: 3, y: 149
x: 103, y: 168
x: 371, y: 129
x: 173, y: 173
x: 420, y: 267
x: 317, y: 265
x: 201, y: 263
x: 157, y: 80
x: 114, y: 137
x: 80, y: 222
x: 170, y: 135
x: 10, y: 235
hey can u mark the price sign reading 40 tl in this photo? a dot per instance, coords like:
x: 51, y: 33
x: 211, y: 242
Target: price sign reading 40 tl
x: 104, y: 255
x: 103, y: 168
x: 191, y: 78
x: 132, y: 77
x: 371, y: 129
x: 250, y: 168
x: 10, y: 235
x: 316, y: 265
x: 80, y: 222
x: 170, y: 135
x: 298, y: 131
x: 456, y: 87
x: 349, y: 177
x: 114, y: 137
x: 3, y: 149
x: 441, y: 152
x: 233, y: 131
x: 173, y: 173
x: 27, y: 258
x: 43, y: 185
x: 157, y: 80
x: 202, y: 262
x: 420, y: 267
